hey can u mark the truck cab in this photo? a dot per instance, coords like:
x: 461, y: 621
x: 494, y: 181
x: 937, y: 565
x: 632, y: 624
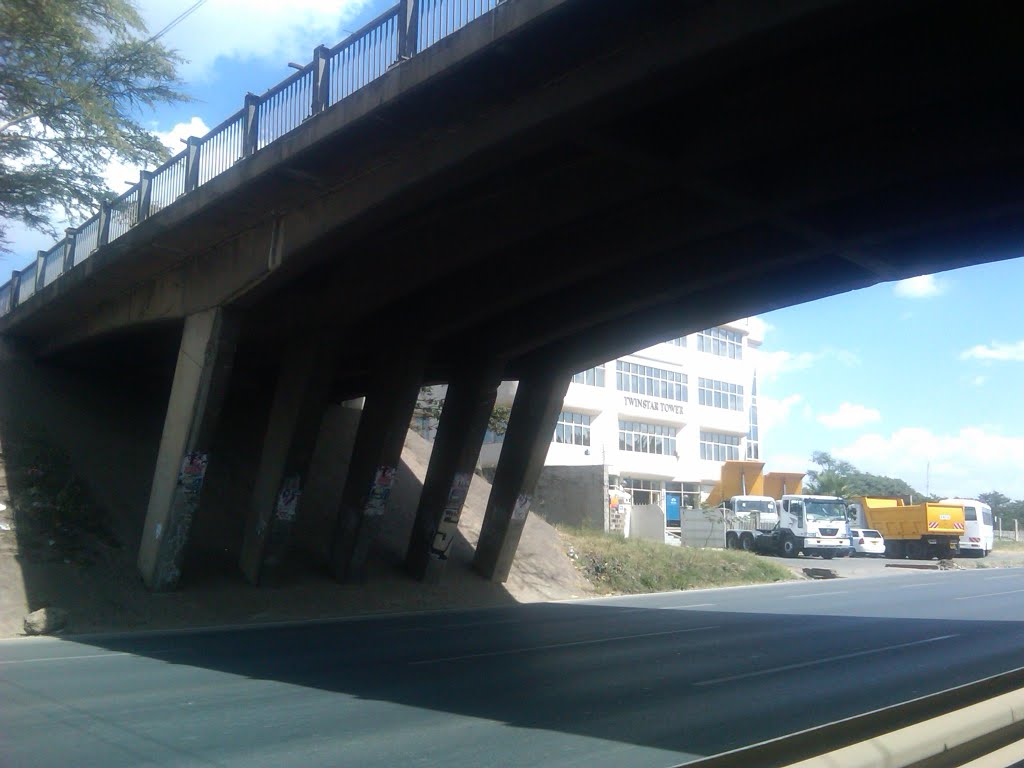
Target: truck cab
x: 815, y: 525
x: 756, y: 511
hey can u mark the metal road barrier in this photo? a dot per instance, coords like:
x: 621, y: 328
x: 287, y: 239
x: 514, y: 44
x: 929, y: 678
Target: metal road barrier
x: 989, y: 713
x: 333, y: 74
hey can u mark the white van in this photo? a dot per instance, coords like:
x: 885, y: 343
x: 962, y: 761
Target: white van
x: 979, y: 532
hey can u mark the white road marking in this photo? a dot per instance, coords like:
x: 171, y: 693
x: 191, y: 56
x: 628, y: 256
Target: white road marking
x: 597, y: 641
x: 819, y: 594
x: 817, y: 662
x: 990, y: 594
x: 683, y: 607
x: 64, y: 658
x: 996, y: 578
x: 914, y: 586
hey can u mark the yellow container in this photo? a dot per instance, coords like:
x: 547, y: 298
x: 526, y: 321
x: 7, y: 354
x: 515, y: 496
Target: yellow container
x: 896, y: 520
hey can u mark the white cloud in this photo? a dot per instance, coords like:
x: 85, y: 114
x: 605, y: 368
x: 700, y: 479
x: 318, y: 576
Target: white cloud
x: 251, y: 29
x: 849, y: 415
x: 772, y: 365
x: 772, y: 412
x: 920, y: 287
x: 972, y: 461
x: 979, y: 381
x: 997, y: 350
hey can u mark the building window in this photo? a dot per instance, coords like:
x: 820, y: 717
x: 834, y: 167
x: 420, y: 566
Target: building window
x: 680, y: 342
x: 641, y: 437
x: 753, y: 434
x: 720, y: 394
x: 717, y: 446
x: 572, y: 429
x: 721, y: 342
x: 642, y: 491
x: 691, y: 495
x: 490, y: 436
x: 644, y: 380
x: 593, y: 377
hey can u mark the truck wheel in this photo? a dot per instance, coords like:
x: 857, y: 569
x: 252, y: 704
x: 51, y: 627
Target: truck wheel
x: 827, y: 555
x: 789, y: 548
x: 731, y: 541
x: 747, y: 542
x: 894, y: 550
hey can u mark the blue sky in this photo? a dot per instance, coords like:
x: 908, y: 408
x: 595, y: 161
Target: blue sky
x: 893, y: 378
x: 901, y: 376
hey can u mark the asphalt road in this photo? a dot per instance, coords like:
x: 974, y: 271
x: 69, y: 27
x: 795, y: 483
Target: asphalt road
x: 645, y: 681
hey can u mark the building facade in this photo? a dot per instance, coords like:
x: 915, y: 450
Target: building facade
x: 653, y: 427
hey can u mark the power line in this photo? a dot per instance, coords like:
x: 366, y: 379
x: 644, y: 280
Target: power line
x: 177, y: 20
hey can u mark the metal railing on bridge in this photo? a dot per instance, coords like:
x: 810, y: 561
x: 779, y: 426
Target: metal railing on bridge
x: 333, y: 75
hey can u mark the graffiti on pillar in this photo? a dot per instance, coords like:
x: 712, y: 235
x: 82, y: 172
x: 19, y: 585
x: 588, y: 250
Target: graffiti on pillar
x: 445, y: 534
x: 192, y: 474
x: 288, y: 499
x: 380, y: 492
x: 460, y: 487
x: 522, y: 507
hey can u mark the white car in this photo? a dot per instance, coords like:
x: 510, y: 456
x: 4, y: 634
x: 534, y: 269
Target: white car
x: 865, y: 541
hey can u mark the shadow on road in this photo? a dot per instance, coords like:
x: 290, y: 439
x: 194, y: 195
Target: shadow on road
x: 694, y: 681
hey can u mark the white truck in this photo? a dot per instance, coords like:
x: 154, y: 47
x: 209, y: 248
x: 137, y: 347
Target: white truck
x: 770, y: 514
x: 814, y: 525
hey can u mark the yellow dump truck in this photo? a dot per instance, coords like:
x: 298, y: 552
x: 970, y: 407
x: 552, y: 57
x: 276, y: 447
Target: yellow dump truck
x: 917, y: 531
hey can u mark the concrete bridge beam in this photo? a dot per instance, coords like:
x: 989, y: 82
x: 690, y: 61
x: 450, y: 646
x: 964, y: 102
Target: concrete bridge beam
x: 300, y: 400
x: 387, y: 412
x: 205, y: 358
x: 460, y: 432
x: 531, y: 423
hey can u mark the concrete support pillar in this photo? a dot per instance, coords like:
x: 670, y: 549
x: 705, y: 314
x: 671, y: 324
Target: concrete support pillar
x: 303, y: 387
x: 531, y: 423
x: 460, y: 433
x: 380, y: 437
x: 204, y: 364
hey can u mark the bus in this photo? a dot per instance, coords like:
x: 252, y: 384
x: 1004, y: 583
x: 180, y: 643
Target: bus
x: 979, y: 531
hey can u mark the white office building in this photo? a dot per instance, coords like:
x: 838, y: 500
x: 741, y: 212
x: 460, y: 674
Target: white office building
x: 656, y: 424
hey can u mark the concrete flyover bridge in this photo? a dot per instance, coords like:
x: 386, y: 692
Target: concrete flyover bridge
x: 469, y: 190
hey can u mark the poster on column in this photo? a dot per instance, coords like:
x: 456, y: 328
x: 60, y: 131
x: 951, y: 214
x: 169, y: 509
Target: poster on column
x: 380, y: 491
x: 522, y: 507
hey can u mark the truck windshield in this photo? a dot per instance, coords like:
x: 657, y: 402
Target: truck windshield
x: 755, y: 505
x: 825, y: 510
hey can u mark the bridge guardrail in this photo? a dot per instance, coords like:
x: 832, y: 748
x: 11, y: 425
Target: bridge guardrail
x: 333, y: 75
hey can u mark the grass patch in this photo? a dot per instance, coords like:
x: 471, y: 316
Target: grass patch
x: 615, y: 565
x: 1005, y: 545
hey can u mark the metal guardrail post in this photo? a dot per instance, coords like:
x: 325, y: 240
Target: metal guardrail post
x: 321, y: 79
x: 193, y: 146
x: 145, y: 195
x: 40, y: 269
x: 15, y: 286
x: 71, y: 235
x: 251, y: 129
x: 408, y: 28
x: 103, y: 225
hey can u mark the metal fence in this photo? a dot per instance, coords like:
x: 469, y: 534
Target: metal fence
x: 27, y: 284
x: 222, y: 147
x: 439, y: 18
x: 333, y: 75
x: 87, y: 239
x: 168, y: 183
x: 363, y: 57
x: 53, y: 263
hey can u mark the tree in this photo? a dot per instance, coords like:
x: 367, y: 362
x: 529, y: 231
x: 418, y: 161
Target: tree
x: 828, y: 482
x: 428, y: 412
x: 841, y: 478
x: 75, y: 79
